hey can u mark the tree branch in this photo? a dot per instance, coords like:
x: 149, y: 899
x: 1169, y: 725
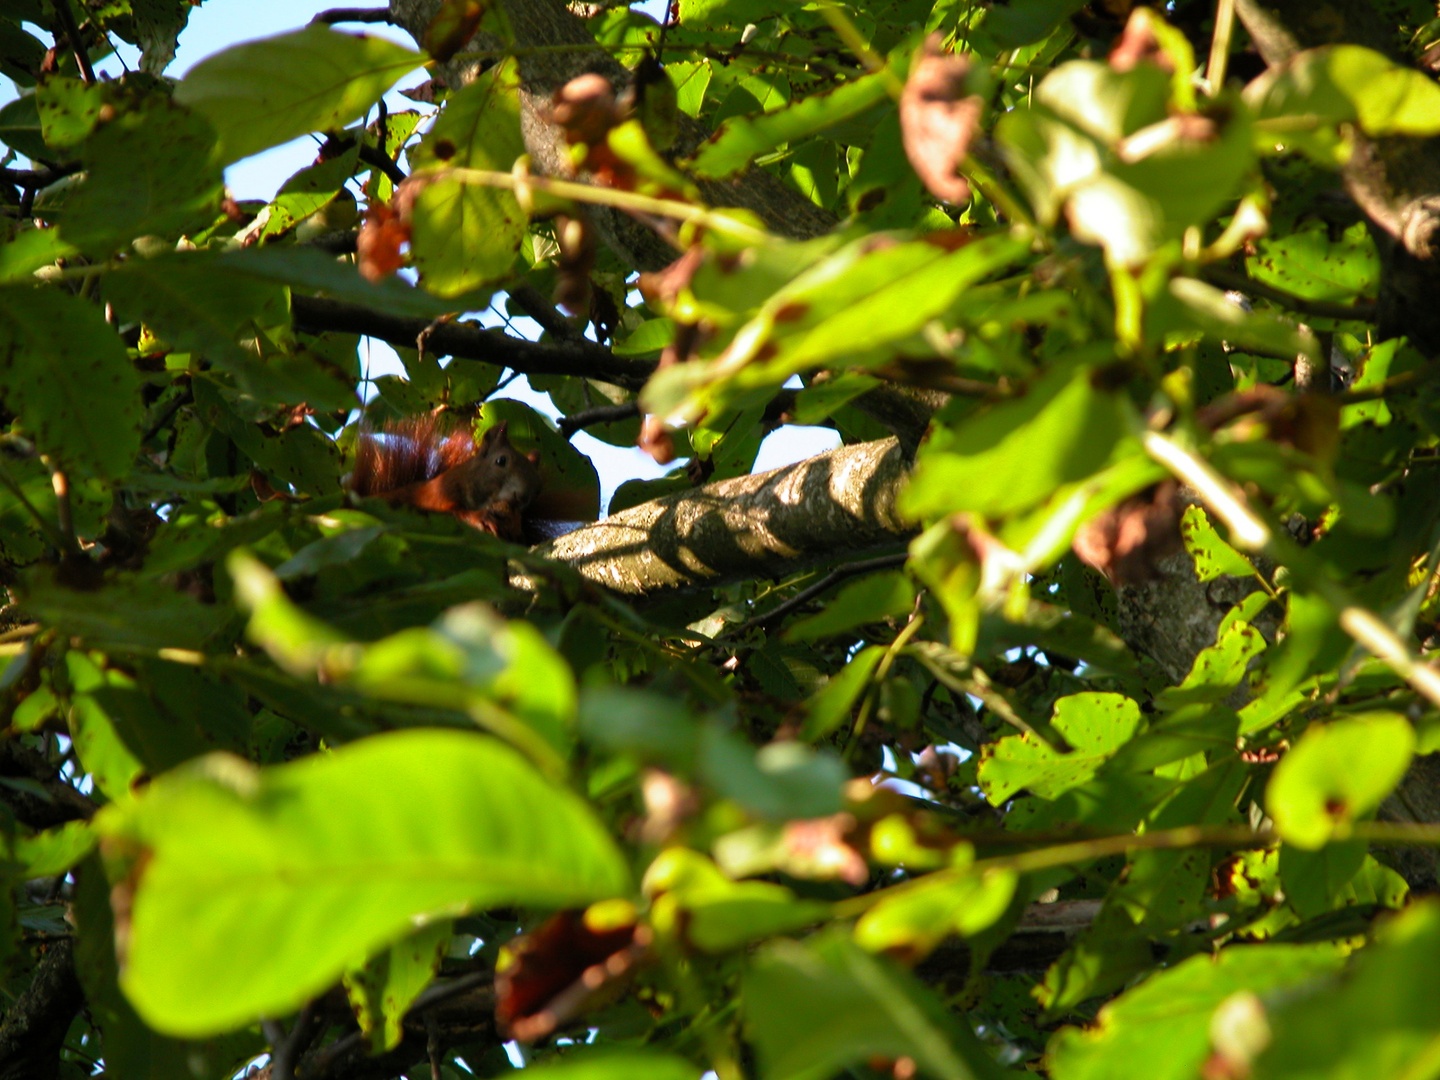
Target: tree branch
x: 360, y: 15
x: 35, y: 1027
x: 838, y: 503
x: 469, y: 342
x: 601, y: 414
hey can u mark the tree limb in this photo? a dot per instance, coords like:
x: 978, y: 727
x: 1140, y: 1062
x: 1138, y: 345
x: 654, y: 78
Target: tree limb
x: 835, y: 504
x: 35, y: 1027
x: 467, y: 341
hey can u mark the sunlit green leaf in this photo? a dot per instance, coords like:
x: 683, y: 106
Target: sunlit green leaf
x: 267, y: 92
x: 467, y: 235
x: 1336, y: 774
x: 258, y: 895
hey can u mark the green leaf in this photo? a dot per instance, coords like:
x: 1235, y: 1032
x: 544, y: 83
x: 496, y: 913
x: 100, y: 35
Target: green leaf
x: 694, y: 899
x: 1161, y: 1029
x: 919, y: 917
x: 862, y: 298
x: 1376, y: 1020
x: 740, y: 139
x: 198, y: 303
x: 64, y: 372
x: 1337, y: 774
x: 1023, y: 22
x: 876, y: 597
x: 1013, y: 455
x: 1302, y: 101
x: 465, y: 236
x: 817, y: 1007
x: 383, y: 989
x: 129, y: 613
x: 831, y: 704
x: 1315, y: 881
x: 1095, y: 725
x: 148, y: 172
x: 1311, y: 265
x: 1218, y: 669
x: 132, y: 1048
x: 53, y: 851
x: 780, y: 781
x: 1213, y: 556
x: 337, y: 279
x: 68, y: 110
x: 267, y: 92
x: 103, y: 754
x: 258, y: 894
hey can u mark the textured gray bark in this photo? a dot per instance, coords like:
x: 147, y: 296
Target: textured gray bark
x: 766, y: 524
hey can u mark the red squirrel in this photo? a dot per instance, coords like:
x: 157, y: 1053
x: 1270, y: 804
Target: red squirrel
x: 420, y: 462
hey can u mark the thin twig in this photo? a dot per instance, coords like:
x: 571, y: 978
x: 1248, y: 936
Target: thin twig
x: 601, y: 414
x: 1365, y: 311
x: 285, y: 1053
x: 360, y: 15
x: 35, y: 179
x: 435, y: 995
x: 72, y: 31
x: 377, y: 158
x: 528, y: 299
x: 800, y: 599
x: 1406, y: 380
x: 168, y: 410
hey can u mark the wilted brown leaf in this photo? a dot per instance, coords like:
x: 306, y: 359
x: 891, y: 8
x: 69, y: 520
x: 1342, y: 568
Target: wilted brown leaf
x: 938, y: 119
x: 378, y: 245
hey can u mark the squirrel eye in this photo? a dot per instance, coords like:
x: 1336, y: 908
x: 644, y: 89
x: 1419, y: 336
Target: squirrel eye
x: 502, y: 460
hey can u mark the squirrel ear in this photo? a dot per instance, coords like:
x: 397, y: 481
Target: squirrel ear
x: 492, y: 436
x: 534, y: 457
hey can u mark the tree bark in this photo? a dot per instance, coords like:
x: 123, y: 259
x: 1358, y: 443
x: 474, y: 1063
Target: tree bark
x: 765, y: 524
x: 35, y: 1027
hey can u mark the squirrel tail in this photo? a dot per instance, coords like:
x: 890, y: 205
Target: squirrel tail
x: 407, y: 451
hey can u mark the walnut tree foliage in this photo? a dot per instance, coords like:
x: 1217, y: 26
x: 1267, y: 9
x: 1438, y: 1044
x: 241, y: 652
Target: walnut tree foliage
x: 1071, y: 718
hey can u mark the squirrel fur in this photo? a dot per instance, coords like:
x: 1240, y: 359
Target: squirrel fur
x: 420, y: 462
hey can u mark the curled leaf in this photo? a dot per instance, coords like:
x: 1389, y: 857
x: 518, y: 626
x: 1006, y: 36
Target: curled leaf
x: 938, y: 119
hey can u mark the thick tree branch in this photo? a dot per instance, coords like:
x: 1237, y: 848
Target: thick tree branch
x: 836, y: 504
x: 35, y: 1027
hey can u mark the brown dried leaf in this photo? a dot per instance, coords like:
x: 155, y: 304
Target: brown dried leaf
x: 938, y: 119
x: 378, y: 245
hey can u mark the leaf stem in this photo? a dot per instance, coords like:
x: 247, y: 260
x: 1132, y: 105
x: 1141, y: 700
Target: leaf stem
x: 1220, y: 45
x: 704, y: 217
